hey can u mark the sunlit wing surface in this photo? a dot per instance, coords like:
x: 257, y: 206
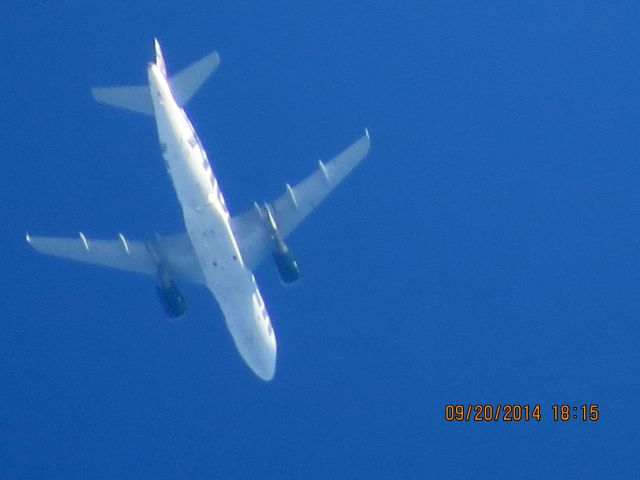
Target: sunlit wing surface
x: 174, y: 253
x: 297, y: 202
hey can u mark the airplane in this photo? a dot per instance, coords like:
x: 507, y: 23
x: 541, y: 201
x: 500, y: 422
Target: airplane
x: 217, y: 250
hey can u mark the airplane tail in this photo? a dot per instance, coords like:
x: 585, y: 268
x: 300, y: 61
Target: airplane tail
x: 184, y: 85
x: 159, y: 58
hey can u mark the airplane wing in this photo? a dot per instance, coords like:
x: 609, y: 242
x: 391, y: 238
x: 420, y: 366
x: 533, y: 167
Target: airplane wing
x: 174, y: 253
x: 290, y: 209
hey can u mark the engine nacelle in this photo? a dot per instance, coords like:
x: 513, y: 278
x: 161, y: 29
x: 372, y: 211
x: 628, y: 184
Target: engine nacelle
x: 283, y: 257
x: 286, y: 263
x: 171, y: 299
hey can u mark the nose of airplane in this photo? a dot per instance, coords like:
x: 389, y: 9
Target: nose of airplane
x: 263, y: 362
x: 266, y: 369
x: 252, y: 332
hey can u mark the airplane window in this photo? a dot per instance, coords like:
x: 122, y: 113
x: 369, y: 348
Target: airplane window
x: 192, y: 142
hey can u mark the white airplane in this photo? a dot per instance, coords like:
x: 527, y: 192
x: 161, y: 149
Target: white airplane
x: 217, y: 250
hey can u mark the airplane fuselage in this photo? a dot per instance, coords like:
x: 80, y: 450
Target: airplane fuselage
x: 207, y: 221
x: 217, y: 250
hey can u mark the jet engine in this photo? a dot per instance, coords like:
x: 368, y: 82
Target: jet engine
x: 285, y: 262
x: 282, y: 256
x: 170, y: 297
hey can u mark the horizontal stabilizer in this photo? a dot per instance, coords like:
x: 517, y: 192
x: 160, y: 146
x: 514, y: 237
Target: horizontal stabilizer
x: 184, y: 85
x: 187, y: 82
x: 136, y: 99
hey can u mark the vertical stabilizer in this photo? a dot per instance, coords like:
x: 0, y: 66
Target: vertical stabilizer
x: 159, y: 58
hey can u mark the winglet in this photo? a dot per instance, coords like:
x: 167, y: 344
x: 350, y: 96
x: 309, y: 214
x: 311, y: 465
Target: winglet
x: 366, y: 132
x: 27, y: 237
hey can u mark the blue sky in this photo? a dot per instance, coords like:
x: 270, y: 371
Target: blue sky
x: 486, y: 251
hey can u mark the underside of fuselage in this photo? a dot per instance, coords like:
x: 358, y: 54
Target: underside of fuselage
x: 207, y: 223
